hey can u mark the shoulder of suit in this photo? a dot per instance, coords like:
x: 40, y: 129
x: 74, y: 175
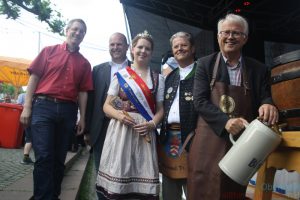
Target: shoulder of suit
x: 252, y: 60
x: 105, y: 64
x: 254, y: 64
x: 206, y: 61
x: 208, y: 57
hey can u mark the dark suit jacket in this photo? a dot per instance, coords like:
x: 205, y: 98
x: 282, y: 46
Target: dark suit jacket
x: 259, y: 83
x: 96, y: 98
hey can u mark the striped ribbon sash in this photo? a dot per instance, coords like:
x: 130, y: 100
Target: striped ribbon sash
x: 137, y: 92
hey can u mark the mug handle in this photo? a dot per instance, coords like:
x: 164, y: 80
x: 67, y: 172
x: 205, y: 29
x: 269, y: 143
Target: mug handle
x: 231, y: 136
x: 231, y: 139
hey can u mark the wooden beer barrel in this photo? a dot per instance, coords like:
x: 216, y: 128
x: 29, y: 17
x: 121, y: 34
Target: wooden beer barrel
x: 285, y: 88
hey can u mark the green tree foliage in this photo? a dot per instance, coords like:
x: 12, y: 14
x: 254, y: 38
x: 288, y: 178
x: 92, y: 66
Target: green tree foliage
x: 7, y: 89
x: 41, y: 8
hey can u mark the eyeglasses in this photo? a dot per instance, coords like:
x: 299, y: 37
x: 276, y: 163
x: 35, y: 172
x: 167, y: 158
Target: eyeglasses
x: 234, y: 34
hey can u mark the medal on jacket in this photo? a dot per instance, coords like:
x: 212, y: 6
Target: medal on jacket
x: 170, y: 89
x: 188, y: 96
x: 227, y: 104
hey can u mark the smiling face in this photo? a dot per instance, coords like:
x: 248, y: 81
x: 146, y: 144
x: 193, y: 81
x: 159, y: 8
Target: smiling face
x: 75, y: 34
x: 183, y: 51
x: 142, y: 51
x: 230, y: 45
x: 118, y: 47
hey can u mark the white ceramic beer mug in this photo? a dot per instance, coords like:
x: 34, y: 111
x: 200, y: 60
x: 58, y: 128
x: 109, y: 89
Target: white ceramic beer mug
x: 249, y: 152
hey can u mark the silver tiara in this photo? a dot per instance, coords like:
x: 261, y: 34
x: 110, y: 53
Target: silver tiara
x: 144, y: 34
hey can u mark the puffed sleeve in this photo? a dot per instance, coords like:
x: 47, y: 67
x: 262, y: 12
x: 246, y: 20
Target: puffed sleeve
x: 114, y: 87
x: 161, y: 88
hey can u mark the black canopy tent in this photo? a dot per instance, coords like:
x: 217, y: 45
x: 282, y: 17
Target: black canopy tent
x: 274, y: 21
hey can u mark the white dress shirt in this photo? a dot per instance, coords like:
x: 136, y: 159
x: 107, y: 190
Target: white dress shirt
x: 115, y: 67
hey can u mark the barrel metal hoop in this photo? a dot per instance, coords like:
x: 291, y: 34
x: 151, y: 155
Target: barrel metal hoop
x: 285, y: 76
x: 286, y: 58
x: 295, y: 112
x: 292, y: 128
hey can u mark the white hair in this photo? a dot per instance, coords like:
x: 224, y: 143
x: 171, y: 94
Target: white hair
x: 236, y: 19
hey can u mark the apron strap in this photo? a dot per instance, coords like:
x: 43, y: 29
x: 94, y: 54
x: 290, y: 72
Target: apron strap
x: 245, y: 77
x: 188, y: 138
x: 215, y: 70
x: 244, y: 74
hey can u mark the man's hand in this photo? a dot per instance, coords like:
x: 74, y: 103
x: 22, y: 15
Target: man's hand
x: 25, y: 116
x: 80, y: 127
x: 268, y: 113
x: 235, y: 125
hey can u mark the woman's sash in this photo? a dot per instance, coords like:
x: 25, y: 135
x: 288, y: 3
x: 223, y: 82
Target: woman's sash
x: 137, y: 92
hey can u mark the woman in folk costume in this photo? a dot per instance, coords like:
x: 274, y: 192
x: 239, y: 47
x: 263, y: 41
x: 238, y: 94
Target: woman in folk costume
x: 128, y: 167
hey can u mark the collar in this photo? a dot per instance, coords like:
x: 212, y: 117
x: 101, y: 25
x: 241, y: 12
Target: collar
x: 235, y: 66
x: 186, y: 69
x: 64, y: 46
x: 125, y: 62
x: 186, y: 72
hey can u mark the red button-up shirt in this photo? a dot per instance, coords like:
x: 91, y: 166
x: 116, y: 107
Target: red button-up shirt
x: 62, y: 73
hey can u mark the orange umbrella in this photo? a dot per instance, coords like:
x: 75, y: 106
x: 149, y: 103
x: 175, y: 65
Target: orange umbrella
x: 14, y: 71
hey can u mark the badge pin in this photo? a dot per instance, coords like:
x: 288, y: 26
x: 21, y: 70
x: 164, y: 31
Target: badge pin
x: 188, y: 98
x: 170, y: 89
x: 167, y: 96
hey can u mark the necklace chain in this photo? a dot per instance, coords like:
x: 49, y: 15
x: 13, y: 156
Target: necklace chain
x: 139, y: 73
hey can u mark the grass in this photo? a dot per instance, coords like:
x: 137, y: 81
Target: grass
x: 87, y: 186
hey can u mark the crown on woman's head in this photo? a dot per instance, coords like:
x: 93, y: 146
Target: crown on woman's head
x: 144, y: 34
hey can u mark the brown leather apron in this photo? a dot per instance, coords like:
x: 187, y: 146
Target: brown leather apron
x: 206, y: 181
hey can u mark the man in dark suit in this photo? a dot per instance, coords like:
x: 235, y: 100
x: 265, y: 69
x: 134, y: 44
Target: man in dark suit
x: 96, y: 120
x: 230, y: 90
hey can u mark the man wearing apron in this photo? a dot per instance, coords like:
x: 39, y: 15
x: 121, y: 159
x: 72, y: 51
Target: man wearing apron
x: 230, y: 90
x: 179, y: 118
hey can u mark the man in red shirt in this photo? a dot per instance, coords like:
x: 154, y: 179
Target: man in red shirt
x: 60, y: 78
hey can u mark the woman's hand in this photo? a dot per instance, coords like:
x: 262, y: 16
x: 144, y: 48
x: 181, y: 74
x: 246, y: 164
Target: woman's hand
x: 126, y: 119
x: 145, y: 128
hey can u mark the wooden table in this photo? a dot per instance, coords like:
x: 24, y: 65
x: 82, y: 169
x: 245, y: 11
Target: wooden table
x: 286, y: 156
